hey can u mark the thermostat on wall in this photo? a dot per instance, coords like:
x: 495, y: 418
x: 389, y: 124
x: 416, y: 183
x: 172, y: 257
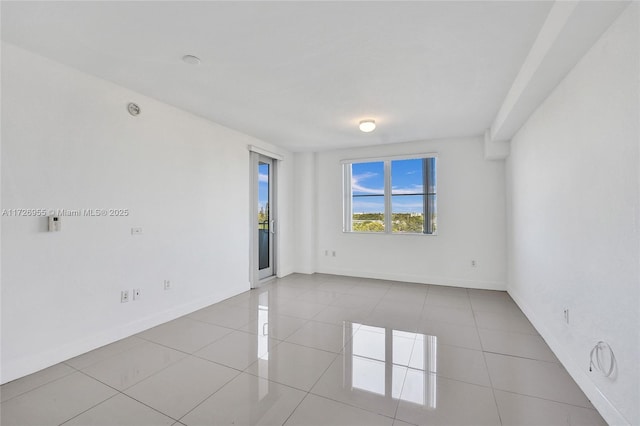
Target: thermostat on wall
x: 54, y: 223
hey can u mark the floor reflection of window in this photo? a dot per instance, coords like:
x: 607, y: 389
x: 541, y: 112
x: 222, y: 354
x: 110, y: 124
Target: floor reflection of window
x: 368, y: 359
x: 392, y: 363
x: 421, y: 378
x: 263, y: 332
x: 369, y: 342
x: 263, y: 342
x: 368, y: 375
x: 403, y: 343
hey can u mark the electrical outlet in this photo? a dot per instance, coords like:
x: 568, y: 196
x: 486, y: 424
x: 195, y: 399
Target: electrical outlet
x: 473, y: 264
x: 333, y: 253
x: 566, y: 315
x: 124, y: 296
x: 136, y: 231
x: 167, y: 284
x: 136, y: 294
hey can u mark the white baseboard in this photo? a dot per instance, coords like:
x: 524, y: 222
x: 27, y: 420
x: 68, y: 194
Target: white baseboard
x: 420, y: 279
x: 14, y: 369
x: 606, y: 409
x: 283, y: 272
x: 304, y: 271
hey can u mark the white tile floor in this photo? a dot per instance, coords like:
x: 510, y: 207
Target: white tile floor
x: 317, y: 350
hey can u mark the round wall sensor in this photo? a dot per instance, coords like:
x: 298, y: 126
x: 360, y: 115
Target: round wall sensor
x: 133, y: 109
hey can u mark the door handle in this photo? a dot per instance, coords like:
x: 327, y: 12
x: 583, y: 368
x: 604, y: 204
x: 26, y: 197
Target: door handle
x: 272, y: 227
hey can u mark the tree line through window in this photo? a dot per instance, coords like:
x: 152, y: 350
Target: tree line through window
x: 391, y: 196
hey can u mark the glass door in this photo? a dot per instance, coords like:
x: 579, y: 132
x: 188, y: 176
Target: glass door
x: 266, y: 217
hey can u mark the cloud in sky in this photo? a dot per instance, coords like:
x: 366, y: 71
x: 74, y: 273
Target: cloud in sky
x: 263, y: 177
x: 413, y: 189
x: 356, y: 185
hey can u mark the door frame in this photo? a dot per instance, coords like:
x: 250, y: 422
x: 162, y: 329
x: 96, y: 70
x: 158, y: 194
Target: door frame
x: 254, y: 274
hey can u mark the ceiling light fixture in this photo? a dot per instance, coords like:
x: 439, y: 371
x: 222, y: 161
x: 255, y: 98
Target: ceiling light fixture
x: 190, y: 59
x: 367, y: 125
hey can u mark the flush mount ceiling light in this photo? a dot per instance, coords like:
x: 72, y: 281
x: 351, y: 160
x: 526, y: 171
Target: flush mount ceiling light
x: 190, y: 59
x: 367, y: 125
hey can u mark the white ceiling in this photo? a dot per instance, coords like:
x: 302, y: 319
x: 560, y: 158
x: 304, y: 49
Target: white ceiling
x: 299, y: 74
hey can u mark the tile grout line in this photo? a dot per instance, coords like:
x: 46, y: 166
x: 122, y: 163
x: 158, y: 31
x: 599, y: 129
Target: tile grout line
x: 520, y: 357
x: 149, y: 376
x: 309, y: 391
x: 119, y: 392
x: 172, y: 364
x: 549, y: 400
x: 90, y: 408
x: 209, y: 396
x: 142, y: 341
x: 486, y: 365
x: 43, y: 384
x: 404, y: 381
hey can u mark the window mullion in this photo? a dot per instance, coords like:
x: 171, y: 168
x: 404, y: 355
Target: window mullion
x: 348, y: 210
x: 428, y: 204
x: 387, y: 197
x: 425, y: 197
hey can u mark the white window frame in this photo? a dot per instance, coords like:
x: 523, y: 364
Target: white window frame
x: 347, y: 198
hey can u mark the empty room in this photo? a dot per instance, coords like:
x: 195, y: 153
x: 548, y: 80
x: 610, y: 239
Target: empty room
x: 320, y: 213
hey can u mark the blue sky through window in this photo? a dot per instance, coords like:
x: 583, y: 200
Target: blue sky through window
x: 406, y: 176
x: 263, y: 186
x: 367, y: 179
x: 406, y: 180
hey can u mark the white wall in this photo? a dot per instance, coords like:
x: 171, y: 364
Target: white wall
x: 305, y: 211
x: 573, y: 184
x: 69, y: 143
x: 471, y: 221
x: 285, y: 199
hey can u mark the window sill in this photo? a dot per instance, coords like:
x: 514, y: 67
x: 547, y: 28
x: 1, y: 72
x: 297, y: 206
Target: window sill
x: 391, y: 233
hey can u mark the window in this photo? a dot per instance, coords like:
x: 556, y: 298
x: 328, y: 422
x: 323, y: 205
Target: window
x: 393, y: 195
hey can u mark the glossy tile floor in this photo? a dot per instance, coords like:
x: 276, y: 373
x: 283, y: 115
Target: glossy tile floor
x: 317, y: 350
